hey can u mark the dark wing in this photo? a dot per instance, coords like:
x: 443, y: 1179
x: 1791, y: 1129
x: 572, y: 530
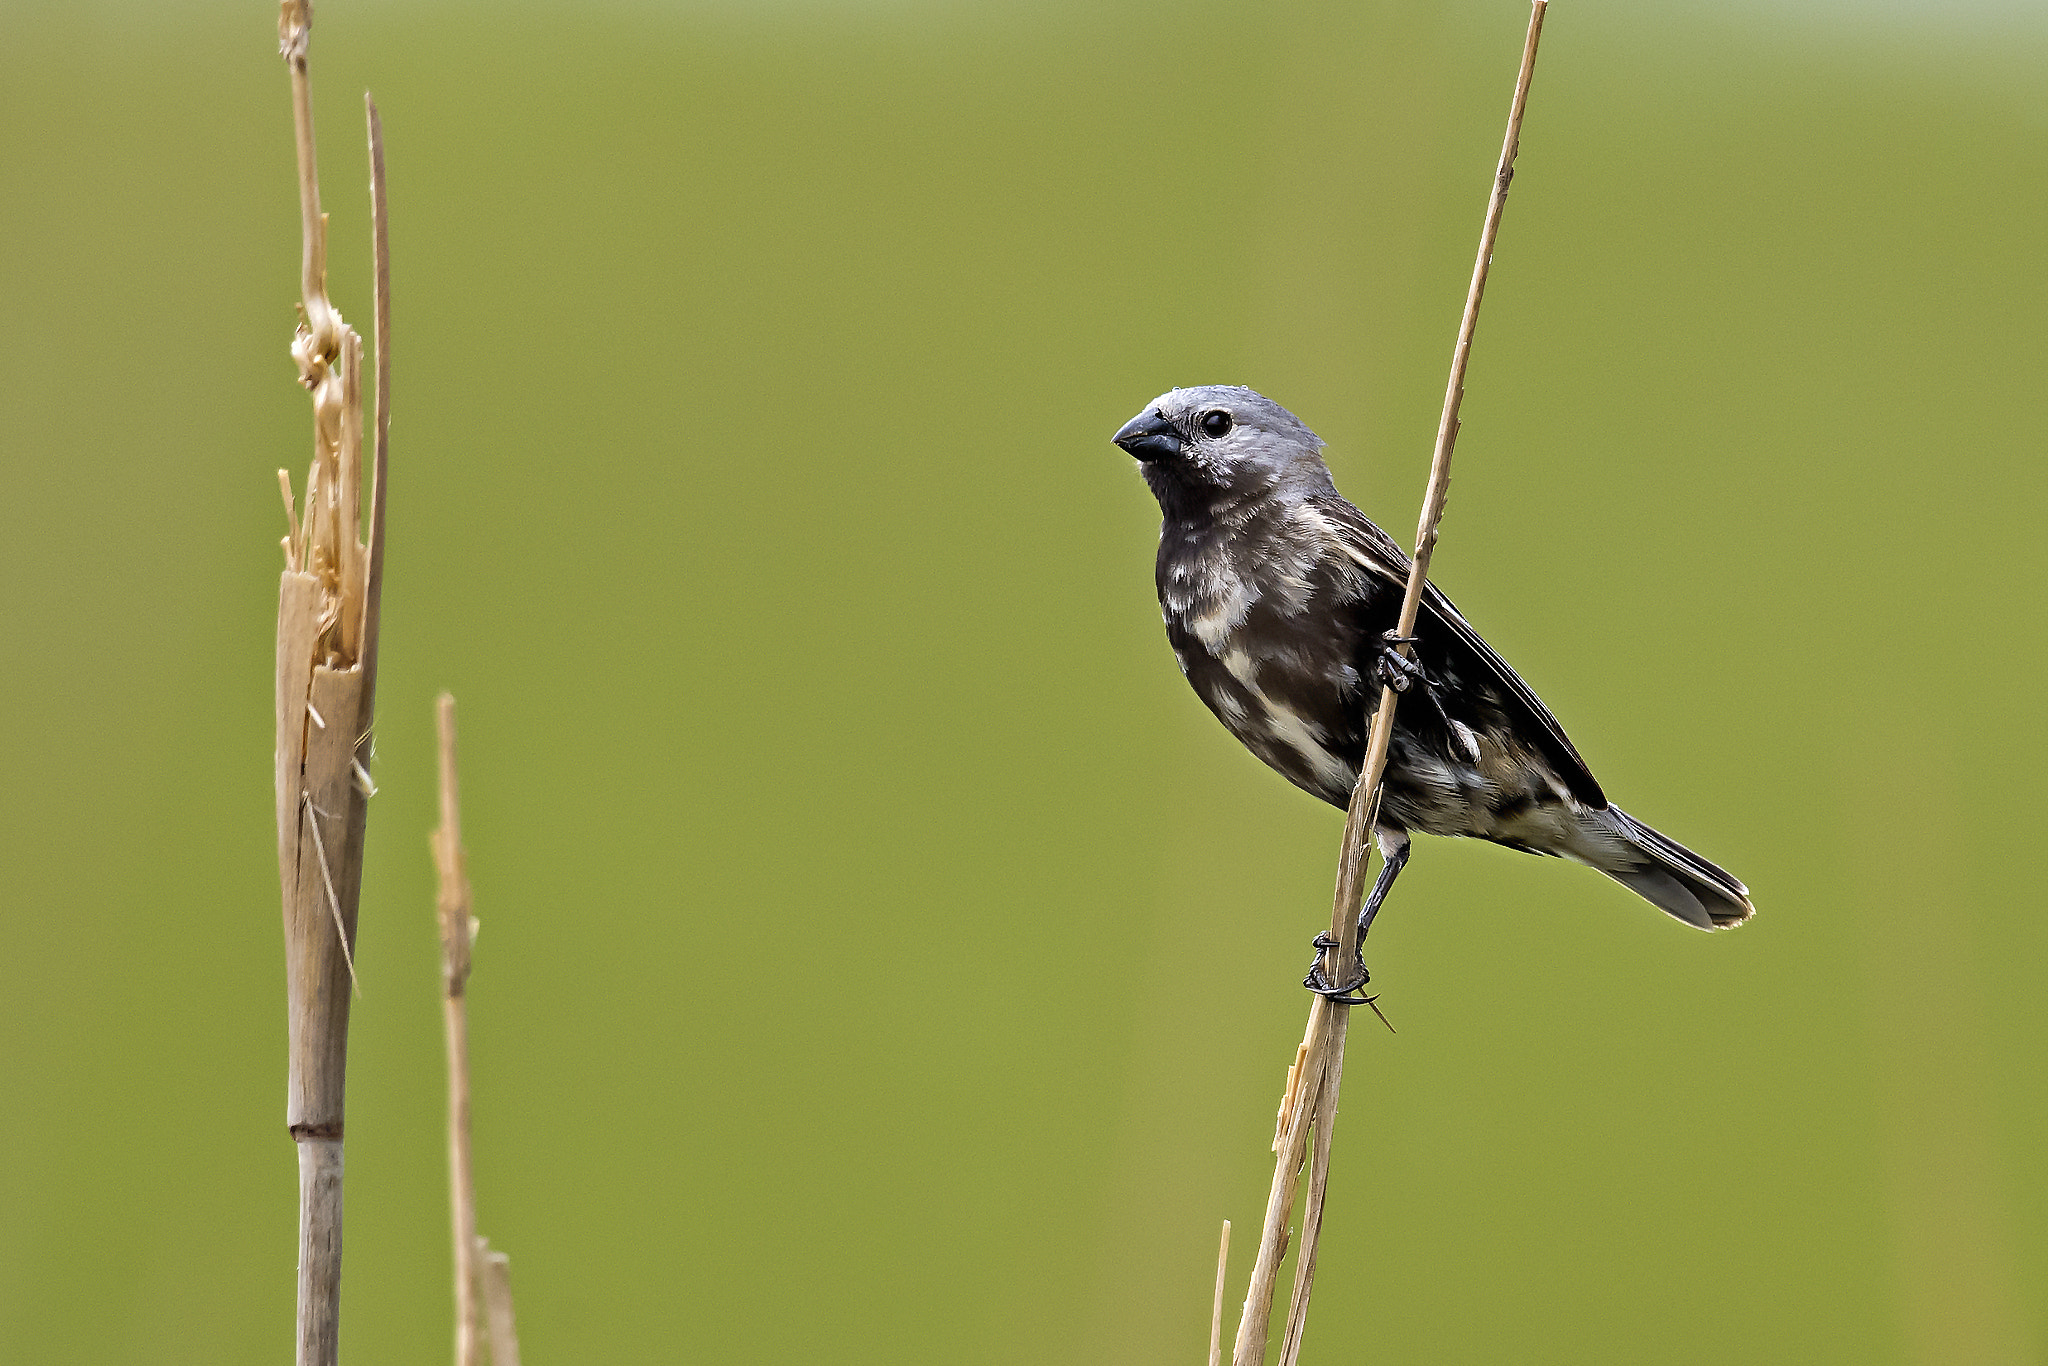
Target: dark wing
x: 1440, y: 626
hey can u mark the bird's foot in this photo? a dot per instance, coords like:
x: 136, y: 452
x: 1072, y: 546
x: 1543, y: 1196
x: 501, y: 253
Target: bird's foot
x: 1320, y: 985
x: 1395, y: 670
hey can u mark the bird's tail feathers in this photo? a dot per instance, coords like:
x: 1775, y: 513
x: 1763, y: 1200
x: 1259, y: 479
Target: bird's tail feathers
x: 1670, y: 876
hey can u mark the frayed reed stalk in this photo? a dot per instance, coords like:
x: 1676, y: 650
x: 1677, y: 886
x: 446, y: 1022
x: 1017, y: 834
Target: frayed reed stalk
x: 483, y: 1283
x: 1314, y: 1081
x: 327, y: 620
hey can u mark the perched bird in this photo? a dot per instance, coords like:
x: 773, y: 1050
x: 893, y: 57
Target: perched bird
x: 1280, y: 600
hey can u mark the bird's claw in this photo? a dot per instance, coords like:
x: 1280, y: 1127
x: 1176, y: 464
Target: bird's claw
x: 1320, y: 985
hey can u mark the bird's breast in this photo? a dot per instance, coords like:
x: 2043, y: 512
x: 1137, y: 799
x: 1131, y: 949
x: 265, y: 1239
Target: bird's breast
x: 1264, y: 644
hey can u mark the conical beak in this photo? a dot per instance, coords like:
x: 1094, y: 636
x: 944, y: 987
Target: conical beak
x: 1149, y: 436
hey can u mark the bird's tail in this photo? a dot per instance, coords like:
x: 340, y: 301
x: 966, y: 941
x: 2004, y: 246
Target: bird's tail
x: 1665, y: 873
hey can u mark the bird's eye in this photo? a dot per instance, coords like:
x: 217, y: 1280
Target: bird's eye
x: 1215, y: 423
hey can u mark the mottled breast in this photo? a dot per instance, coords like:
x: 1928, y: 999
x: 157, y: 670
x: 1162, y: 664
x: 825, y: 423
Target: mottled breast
x: 1262, y: 609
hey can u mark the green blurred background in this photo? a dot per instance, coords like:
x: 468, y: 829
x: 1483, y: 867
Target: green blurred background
x: 885, y: 958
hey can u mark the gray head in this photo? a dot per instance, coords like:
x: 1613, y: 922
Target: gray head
x: 1225, y: 440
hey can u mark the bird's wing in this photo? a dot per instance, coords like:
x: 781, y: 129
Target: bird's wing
x: 1443, y: 626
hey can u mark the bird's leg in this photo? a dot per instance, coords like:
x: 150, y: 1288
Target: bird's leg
x: 1396, y: 859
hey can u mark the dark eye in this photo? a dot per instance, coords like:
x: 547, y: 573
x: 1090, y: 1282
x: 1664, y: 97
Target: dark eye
x: 1215, y: 423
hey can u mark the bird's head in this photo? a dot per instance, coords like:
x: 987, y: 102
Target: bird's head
x: 1222, y: 439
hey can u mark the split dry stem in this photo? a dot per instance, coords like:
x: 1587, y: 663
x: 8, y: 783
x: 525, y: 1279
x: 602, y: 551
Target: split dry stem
x: 325, y: 700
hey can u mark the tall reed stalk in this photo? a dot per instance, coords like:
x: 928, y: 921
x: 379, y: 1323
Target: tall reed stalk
x: 1309, y: 1102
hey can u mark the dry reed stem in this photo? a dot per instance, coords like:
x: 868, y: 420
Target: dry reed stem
x: 452, y: 905
x: 1216, y: 1306
x: 498, y: 1305
x: 1315, y: 1080
x: 483, y: 1280
x: 1304, y: 1080
x: 326, y: 690
x: 380, y: 259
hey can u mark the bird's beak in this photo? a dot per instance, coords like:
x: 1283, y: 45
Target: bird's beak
x: 1149, y: 436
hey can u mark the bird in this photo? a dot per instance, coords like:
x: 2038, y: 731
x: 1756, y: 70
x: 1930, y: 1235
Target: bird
x: 1281, y: 600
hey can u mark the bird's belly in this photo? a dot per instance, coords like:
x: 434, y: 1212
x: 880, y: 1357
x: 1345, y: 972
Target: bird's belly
x: 1499, y: 799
